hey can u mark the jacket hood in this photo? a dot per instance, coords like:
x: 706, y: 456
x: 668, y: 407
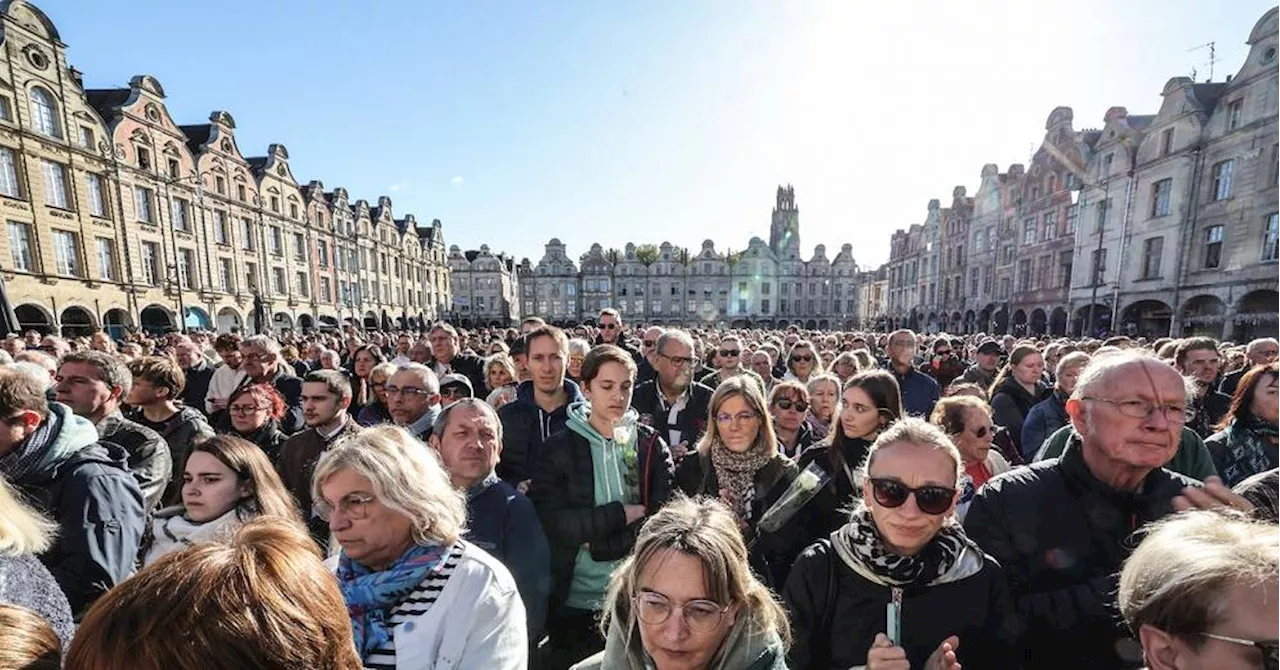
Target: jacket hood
x: 73, y: 434
x: 746, y: 647
x: 580, y: 415
x: 524, y: 393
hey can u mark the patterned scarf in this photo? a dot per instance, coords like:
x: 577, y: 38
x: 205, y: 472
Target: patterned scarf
x: 371, y: 596
x: 737, y: 472
x: 859, y: 544
x: 1248, y: 450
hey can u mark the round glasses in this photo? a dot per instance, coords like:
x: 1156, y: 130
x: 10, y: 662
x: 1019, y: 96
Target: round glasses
x: 701, y: 615
x: 933, y: 500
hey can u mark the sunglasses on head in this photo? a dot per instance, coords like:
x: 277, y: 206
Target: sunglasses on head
x: 931, y: 500
x: 787, y: 403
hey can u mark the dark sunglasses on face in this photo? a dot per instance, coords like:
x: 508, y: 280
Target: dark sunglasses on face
x: 729, y: 353
x: 801, y: 358
x: 787, y: 403
x: 608, y: 326
x: 931, y: 500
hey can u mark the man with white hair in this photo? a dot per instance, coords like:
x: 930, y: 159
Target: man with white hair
x: 672, y: 403
x: 1259, y: 352
x: 413, y: 398
x: 264, y: 365
x: 1061, y: 528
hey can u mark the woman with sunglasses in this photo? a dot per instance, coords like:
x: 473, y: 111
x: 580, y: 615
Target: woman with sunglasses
x: 967, y: 421
x: 803, y: 362
x: 1200, y: 592
x: 824, y: 401
x: 789, y: 405
x: 255, y: 411
x: 737, y: 460
x: 686, y: 598
x: 901, y: 585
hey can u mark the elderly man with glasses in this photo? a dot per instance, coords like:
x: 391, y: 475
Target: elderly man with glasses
x: 263, y: 364
x: 413, y: 398
x: 672, y: 403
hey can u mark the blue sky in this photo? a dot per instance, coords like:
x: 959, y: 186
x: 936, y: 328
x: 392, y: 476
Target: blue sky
x: 603, y: 121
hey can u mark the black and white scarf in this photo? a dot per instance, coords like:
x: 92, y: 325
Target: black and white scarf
x: 859, y: 545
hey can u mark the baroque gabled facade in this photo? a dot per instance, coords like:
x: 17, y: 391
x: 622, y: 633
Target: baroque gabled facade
x: 119, y: 217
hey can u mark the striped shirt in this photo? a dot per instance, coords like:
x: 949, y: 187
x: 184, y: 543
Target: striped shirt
x: 411, y: 608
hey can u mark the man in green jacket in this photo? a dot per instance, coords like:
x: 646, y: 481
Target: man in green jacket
x: 1193, y: 458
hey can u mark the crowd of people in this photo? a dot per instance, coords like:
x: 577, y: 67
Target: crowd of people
x: 618, y: 496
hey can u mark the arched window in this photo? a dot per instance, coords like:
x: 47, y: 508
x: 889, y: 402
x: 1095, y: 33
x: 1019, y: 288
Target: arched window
x: 44, y: 115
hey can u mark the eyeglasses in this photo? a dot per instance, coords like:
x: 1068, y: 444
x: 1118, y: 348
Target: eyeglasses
x: 354, y: 506
x: 681, y: 361
x: 729, y: 353
x: 1141, y: 409
x: 246, y: 409
x: 408, y: 390
x: 455, y: 392
x: 649, y: 343
x: 702, y: 615
x: 933, y: 500
x: 981, y: 432
x: 801, y: 358
x: 740, y: 417
x: 257, y: 358
x: 608, y: 326
x: 787, y: 403
x: 943, y: 352
x: 1270, y: 648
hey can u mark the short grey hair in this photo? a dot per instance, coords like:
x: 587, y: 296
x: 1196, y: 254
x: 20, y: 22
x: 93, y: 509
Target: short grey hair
x: 824, y: 377
x: 429, y: 380
x: 407, y: 477
x: 263, y: 342
x: 674, y: 336
x: 34, y: 371
x: 1072, y: 360
x: 111, y: 370
x: 579, y: 346
x: 442, y: 422
x: 329, y: 354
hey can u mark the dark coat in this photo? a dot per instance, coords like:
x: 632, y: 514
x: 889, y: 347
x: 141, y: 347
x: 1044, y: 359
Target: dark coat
x: 149, y: 458
x: 503, y: 522
x: 1061, y: 536
x: 692, y: 420
x: 197, y: 385
x: 1210, y: 408
x: 563, y: 493
x: 1044, y: 419
x: 1010, y: 405
x: 296, y: 464
x: 829, y: 509
x: 525, y: 427
x: 977, y: 609
x: 770, y: 554
x: 179, y: 432
x: 471, y: 367
x: 268, y: 438
x: 920, y: 392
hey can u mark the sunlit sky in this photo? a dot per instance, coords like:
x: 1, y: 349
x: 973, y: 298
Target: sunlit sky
x: 609, y: 121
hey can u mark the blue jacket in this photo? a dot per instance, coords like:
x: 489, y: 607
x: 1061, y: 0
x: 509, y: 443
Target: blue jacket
x: 525, y: 427
x: 502, y: 521
x: 1045, y: 418
x: 919, y: 392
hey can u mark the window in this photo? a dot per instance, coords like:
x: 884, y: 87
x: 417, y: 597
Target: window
x: 1029, y: 231
x: 1070, y: 181
x: 293, y: 210
x: 221, y: 234
x: 973, y: 282
x: 325, y: 290
x: 142, y: 204
x: 66, y: 254
x: 150, y: 263
x: 1166, y: 142
x: 175, y: 170
x: 97, y: 193
x: 55, y: 184
x: 1064, y: 269
x: 251, y: 276
x: 1152, y: 253
x: 144, y: 158
x: 764, y: 305
x: 1271, y: 238
x: 186, y: 267
x: 275, y: 243
x: 299, y: 247
x: 304, y: 286
x: 1104, y: 209
x: 241, y: 193
x: 1222, y: 179
x: 226, y: 275
x: 106, y: 259
x: 1073, y: 218
x: 277, y: 281
x: 323, y: 252
x: 1212, y: 247
x: 44, y: 115
x: 275, y: 203
x: 1235, y: 109
x: 20, y: 246
x: 6, y: 111
x: 1099, y: 266
x: 742, y: 306
x: 220, y: 184
x: 178, y: 213
x: 246, y: 231
x: 8, y: 174
x: 1050, y: 225
x: 86, y: 137
x: 1024, y: 274
x: 1161, y: 197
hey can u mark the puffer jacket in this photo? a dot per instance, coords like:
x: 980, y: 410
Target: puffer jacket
x: 179, y: 432
x: 1010, y: 405
x: 525, y: 429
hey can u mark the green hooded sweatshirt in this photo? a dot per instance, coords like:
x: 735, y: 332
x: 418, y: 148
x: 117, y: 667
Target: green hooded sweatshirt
x: 746, y: 647
x: 611, y: 463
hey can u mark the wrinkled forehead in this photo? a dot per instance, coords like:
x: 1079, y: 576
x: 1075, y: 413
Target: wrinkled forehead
x: 1144, y: 379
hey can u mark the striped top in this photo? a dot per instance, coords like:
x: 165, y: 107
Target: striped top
x: 411, y: 608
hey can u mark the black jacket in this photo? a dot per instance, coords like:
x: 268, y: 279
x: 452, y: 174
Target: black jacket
x: 197, y: 386
x: 829, y: 509
x: 1061, y: 536
x: 525, y: 427
x: 471, y: 367
x: 149, y: 459
x: 770, y: 554
x: 691, y: 421
x: 1010, y: 405
x: 268, y: 438
x: 101, y: 514
x: 563, y: 493
x: 1210, y: 408
x: 179, y: 432
x: 975, y: 608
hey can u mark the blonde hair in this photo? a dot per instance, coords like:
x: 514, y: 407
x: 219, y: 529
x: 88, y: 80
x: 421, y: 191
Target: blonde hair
x: 27, y: 641
x: 406, y: 476
x: 912, y: 430
x: 747, y: 389
x: 1178, y: 578
x: 705, y: 529
x: 23, y: 531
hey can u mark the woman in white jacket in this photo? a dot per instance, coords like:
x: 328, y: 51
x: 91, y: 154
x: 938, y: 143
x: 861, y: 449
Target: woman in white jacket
x: 967, y: 421
x: 419, y: 595
x: 226, y: 482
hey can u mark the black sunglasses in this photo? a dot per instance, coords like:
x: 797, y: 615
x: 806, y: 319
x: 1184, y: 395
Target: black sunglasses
x: 608, y: 326
x: 729, y: 353
x: 802, y: 358
x: 787, y: 403
x: 932, y: 500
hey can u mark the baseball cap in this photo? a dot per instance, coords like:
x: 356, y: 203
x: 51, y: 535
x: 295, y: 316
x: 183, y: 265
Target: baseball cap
x: 456, y: 382
x: 990, y: 348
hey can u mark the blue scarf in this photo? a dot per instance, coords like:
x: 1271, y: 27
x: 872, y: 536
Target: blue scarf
x: 371, y: 596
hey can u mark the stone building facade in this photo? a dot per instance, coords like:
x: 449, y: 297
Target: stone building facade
x: 765, y: 284
x: 485, y: 288
x: 119, y: 217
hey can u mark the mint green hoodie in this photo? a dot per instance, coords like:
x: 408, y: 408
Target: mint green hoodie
x: 610, y: 462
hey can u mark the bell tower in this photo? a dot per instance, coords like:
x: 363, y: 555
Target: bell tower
x: 784, y: 234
